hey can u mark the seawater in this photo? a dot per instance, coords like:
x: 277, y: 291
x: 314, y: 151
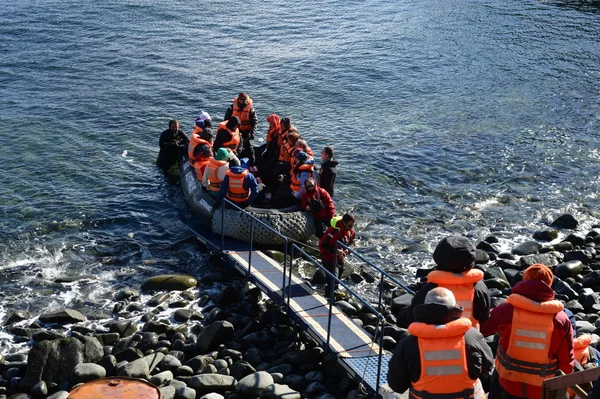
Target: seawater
x: 469, y: 117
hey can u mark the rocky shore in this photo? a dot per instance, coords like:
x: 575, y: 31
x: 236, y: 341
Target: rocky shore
x: 191, y: 342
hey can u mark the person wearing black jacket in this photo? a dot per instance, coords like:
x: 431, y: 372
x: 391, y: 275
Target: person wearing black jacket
x: 328, y: 170
x: 440, y: 311
x: 169, y: 142
x: 456, y: 254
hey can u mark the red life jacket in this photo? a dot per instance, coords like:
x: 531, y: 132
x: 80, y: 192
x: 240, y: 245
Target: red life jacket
x: 526, y: 358
x: 462, y: 286
x: 235, y: 190
x: 444, y: 370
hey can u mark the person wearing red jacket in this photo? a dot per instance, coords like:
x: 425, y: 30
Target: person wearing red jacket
x: 341, y: 229
x: 317, y: 201
x: 536, y: 336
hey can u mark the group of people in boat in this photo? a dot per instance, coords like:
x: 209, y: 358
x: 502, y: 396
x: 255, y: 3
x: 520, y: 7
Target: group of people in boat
x: 446, y: 355
x: 282, y: 173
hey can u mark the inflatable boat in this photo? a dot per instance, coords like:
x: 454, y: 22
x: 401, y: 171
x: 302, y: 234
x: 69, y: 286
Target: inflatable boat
x: 291, y: 222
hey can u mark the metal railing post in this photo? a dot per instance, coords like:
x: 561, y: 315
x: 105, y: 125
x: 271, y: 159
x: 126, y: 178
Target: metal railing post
x: 285, y: 251
x: 223, y: 203
x: 380, y: 357
x: 250, y: 249
x: 289, y: 286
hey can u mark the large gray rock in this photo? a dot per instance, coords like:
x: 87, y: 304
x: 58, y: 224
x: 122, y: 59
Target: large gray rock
x: 212, y: 383
x: 189, y: 393
x: 212, y: 396
x: 527, y: 248
x: 215, y: 334
x: 277, y: 391
x: 62, y: 316
x: 153, y: 360
x: 59, y: 395
x: 170, y: 362
x: 168, y: 392
x: 162, y: 378
x: 54, y: 361
x: 136, y: 369
x: 85, y: 372
x: 169, y: 282
x: 254, y: 384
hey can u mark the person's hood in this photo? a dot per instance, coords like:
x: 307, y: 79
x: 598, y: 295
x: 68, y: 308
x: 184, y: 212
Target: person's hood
x: 436, y: 313
x: 274, y: 120
x: 536, y: 290
x: 331, y: 163
x: 237, y: 169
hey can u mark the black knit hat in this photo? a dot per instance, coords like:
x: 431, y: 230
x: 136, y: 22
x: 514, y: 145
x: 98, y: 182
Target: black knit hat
x: 454, y: 254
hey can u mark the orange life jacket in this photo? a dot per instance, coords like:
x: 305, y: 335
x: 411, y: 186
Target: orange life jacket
x: 444, y: 369
x: 195, y: 141
x: 235, y: 136
x: 211, y: 174
x: 200, y: 167
x: 295, y: 181
x: 273, y: 133
x: 236, y: 191
x: 462, y: 286
x: 243, y: 114
x: 526, y: 359
x: 284, y: 145
x: 580, y: 348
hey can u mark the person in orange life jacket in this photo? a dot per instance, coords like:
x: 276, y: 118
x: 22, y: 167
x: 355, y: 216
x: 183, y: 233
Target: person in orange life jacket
x: 302, y: 170
x: 215, y: 171
x: 302, y: 145
x: 319, y: 203
x: 444, y: 356
x: 202, y: 156
x: 455, y: 258
x: 243, y: 109
x: 341, y: 229
x: 536, y: 336
x: 169, y: 142
x: 202, y: 126
x: 239, y: 185
x: 228, y: 135
x: 328, y: 170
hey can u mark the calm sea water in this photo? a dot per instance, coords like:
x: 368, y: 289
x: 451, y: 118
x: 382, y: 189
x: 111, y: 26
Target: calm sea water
x: 448, y: 117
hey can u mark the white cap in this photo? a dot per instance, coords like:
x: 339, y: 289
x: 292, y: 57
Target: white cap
x: 204, y: 116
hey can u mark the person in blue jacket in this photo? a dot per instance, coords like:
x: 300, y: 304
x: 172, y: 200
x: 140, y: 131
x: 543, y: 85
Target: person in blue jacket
x: 239, y: 185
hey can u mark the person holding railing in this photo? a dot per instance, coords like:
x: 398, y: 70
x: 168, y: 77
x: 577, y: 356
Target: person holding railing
x: 341, y: 229
x: 444, y: 356
x: 318, y: 202
x: 536, y: 336
x: 455, y: 258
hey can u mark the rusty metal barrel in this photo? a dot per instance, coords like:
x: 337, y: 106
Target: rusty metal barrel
x: 116, y: 388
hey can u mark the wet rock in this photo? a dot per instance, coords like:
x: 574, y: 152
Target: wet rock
x: 129, y: 355
x: 568, y: 269
x: 59, y: 395
x: 126, y: 294
x: 527, y: 248
x: 401, y: 302
x: 282, y: 368
x: 228, y: 295
x: 545, y: 235
x: 212, y: 396
x: 170, y: 362
x: 44, y: 335
x: 313, y: 389
x: 198, y: 363
x: 158, y: 327
x: 563, y: 246
x: 562, y: 288
x: 182, y: 315
x: 345, y: 307
x: 40, y: 390
x: 277, y: 391
x: 109, y: 363
x: 158, y: 299
x: 576, y: 239
x: 496, y: 283
x: 508, y: 264
x: 254, y: 384
x: 169, y: 282
x: 217, y: 333
x: 153, y: 360
x: 257, y: 338
x: 488, y: 247
x: 135, y: 369
x: 495, y: 272
x: 356, y: 278
x: 62, y: 316
x: 252, y: 356
x: 107, y: 338
x: 212, y: 383
x: 16, y: 316
x: 547, y: 259
x: 481, y: 257
x: 592, y: 279
x: 582, y: 256
x: 85, y: 372
x: 188, y: 393
x: 168, y: 392
x: 584, y: 327
x: 565, y: 221
x: 123, y: 328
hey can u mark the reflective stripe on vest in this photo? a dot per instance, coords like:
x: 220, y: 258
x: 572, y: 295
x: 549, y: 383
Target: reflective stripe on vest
x: 443, y: 360
x: 526, y: 358
x: 235, y: 190
x: 476, y: 392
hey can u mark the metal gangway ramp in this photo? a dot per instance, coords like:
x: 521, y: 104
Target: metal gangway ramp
x: 356, y: 351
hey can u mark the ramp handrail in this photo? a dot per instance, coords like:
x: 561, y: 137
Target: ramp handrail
x: 380, y: 316
x: 556, y: 387
x: 252, y: 220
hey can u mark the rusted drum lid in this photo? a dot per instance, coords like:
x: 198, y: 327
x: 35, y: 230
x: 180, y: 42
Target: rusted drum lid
x: 116, y: 388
